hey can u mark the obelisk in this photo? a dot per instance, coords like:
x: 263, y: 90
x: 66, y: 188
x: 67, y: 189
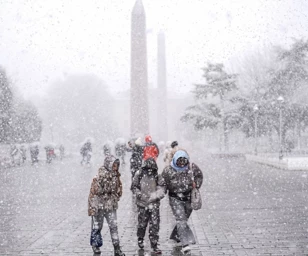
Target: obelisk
x: 162, y: 125
x: 139, y: 72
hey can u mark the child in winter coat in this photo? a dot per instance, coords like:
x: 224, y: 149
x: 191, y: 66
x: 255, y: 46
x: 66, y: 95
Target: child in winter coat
x: 106, y: 190
x: 148, y: 190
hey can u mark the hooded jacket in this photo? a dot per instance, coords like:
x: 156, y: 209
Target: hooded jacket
x: 106, y: 188
x: 179, y: 181
x: 148, y: 185
x: 150, y: 150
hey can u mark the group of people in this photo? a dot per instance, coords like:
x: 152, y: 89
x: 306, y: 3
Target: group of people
x: 177, y: 180
x: 18, y: 154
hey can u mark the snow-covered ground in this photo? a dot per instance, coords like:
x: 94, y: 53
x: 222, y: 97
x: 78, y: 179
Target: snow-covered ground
x: 248, y: 209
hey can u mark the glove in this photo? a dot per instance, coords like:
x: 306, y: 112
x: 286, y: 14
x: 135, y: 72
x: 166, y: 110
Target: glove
x: 91, y: 212
x: 153, y: 197
x: 142, y: 198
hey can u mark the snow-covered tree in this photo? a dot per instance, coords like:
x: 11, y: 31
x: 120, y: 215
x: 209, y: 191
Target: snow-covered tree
x: 26, y: 123
x: 6, y: 102
x: 19, y: 119
x: 214, y: 107
x: 266, y: 79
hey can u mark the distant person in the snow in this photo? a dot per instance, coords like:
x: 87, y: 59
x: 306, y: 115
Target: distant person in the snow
x: 174, y: 146
x: 106, y: 190
x: 50, y: 153
x: 179, y: 178
x: 107, y: 149
x: 61, y: 149
x: 161, y: 146
x: 120, y: 149
x: 136, y: 148
x: 167, y: 152
x: 15, y: 156
x: 34, y: 152
x: 23, y: 153
x: 150, y: 149
x: 149, y: 190
x: 86, y: 152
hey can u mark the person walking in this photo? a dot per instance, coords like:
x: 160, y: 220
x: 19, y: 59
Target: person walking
x: 105, y: 192
x: 136, y: 149
x: 34, y: 152
x: 179, y: 179
x: 86, y: 152
x: 149, y: 190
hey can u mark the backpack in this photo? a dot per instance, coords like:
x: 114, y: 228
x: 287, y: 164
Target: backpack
x: 140, y: 176
x: 150, y: 151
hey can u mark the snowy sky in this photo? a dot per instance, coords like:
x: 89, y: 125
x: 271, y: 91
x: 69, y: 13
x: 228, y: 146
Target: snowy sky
x: 40, y: 40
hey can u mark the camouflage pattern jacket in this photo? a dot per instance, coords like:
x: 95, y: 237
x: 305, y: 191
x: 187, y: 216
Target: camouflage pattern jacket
x: 105, y: 192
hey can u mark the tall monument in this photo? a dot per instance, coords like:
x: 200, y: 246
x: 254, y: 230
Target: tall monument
x: 139, y: 72
x: 162, y: 126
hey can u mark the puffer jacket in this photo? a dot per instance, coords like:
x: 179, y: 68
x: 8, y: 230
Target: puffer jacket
x: 106, y: 188
x: 180, y: 183
x: 147, y: 185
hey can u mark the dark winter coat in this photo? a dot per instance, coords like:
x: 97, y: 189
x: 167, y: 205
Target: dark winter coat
x: 180, y: 183
x: 106, y: 188
x: 136, y: 158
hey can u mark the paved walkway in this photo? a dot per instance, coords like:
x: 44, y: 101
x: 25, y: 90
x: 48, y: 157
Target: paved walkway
x: 249, y: 209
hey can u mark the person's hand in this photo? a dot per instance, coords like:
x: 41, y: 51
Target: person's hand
x: 153, y: 197
x: 194, y: 185
x: 91, y: 212
x: 144, y: 198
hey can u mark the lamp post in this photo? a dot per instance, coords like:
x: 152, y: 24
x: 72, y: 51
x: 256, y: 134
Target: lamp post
x: 280, y: 99
x: 255, y: 110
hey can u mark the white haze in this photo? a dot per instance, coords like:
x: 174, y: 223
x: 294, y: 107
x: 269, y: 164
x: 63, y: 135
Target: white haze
x: 41, y: 40
x: 48, y: 47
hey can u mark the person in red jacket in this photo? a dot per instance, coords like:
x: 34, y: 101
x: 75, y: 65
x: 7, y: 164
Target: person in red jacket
x: 150, y: 149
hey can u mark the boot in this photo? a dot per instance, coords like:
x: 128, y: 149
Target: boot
x: 140, y: 243
x: 156, y: 250
x: 96, y: 250
x: 186, y: 249
x: 117, y: 251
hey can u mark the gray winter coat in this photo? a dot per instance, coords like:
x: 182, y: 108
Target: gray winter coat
x: 147, y: 188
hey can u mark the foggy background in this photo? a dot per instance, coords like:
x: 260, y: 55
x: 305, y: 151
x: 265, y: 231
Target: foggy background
x: 51, y: 48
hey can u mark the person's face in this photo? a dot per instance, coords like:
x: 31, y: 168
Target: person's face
x: 115, y: 167
x: 182, y: 162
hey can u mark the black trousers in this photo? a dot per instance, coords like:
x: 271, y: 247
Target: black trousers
x: 152, y: 216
